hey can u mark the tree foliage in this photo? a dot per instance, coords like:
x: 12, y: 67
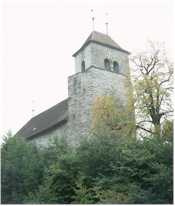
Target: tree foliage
x: 21, y: 172
x: 110, y: 116
x: 153, y: 88
x: 100, y: 170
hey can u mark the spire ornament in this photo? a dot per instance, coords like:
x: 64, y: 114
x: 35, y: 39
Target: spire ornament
x: 106, y: 23
x: 93, y: 19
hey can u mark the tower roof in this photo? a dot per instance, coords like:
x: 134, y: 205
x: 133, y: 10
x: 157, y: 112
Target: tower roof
x: 102, y: 39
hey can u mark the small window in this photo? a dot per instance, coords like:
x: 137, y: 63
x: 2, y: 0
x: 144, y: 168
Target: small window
x: 83, y: 66
x: 107, y: 64
x: 115, y: 67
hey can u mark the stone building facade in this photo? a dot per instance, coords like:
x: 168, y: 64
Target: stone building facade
x: 101, y: 68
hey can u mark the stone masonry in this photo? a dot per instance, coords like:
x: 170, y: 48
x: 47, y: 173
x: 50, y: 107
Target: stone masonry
x: 83, y: 89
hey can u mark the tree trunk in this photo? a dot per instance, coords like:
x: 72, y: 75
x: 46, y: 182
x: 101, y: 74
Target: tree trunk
x: 157, y: 130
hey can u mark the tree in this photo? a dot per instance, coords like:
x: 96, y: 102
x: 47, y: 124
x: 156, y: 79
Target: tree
x: 111, y: 118
x: 22, y: 169
x: 153, y: 88
x: 125, y: 170
x: 102, y: 169
x: 167, y: 130
x: 58, y: 184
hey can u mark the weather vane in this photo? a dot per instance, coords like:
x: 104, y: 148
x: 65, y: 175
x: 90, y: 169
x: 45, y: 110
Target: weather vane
x: 93, y: 19
x: 106, y: 23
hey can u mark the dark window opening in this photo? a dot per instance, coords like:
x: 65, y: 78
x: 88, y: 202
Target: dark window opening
x: 107, y: 64
x: 115, y: 67
x: 83, y: 66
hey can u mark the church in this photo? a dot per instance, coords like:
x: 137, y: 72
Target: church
x: 101, y: 66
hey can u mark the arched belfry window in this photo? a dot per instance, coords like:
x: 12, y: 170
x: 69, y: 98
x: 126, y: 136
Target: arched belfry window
x: 115, y: 67
x: 83, y: 66
x: 107, y: 64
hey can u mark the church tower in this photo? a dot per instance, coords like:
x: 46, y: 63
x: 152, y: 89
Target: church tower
x: 101, y: 68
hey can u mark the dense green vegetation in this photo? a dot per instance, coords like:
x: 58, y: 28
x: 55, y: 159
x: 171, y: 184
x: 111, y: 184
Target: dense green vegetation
x: 102, y: 169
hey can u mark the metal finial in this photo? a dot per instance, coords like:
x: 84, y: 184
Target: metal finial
x: 33, y: 108
x: 93, y: 19
x: 106, y: 23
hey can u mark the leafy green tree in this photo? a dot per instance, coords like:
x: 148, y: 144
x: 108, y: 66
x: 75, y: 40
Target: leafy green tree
x: 83, y: 194
x: 22, y: 170
x: 126, y: 170
x: 59, y: 182
x: 102, y: 169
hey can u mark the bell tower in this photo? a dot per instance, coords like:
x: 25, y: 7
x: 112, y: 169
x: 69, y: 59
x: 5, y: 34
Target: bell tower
x: 101, y: 68
x: 100, y: 51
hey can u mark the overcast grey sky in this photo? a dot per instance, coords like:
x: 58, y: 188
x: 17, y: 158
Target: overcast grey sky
x: 38, y: 39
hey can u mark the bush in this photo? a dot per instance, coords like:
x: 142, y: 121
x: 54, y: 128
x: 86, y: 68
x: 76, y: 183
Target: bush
x: 102, y: 169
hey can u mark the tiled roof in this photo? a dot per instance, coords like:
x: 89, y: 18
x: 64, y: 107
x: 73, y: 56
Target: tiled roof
x: 102, y: 39
x: 56, y: 115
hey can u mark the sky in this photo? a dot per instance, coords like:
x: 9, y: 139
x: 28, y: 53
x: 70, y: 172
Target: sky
x: 38, y: 38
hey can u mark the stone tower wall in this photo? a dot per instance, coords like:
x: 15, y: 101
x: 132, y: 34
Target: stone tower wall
x: 84, y: 55
x: 94, y: 54
x: 83, y: 88
x: 99, y: 53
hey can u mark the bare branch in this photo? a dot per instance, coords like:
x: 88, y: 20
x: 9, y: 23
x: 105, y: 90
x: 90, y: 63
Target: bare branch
x: 166, y: 112
x: 140, y: 127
